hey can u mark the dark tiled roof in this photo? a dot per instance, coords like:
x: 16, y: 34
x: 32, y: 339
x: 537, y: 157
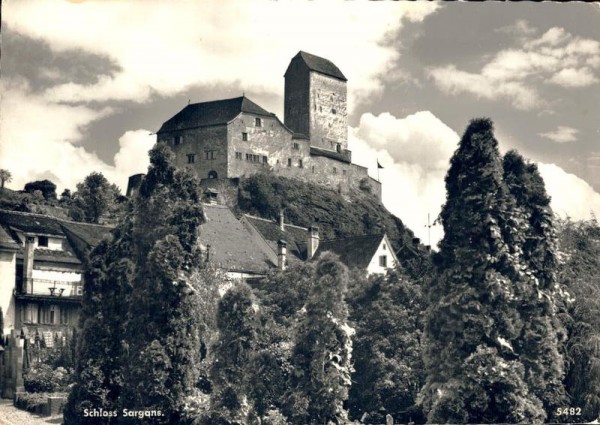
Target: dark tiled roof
x: 329, y: 154
x: 7, y: 241
x: 296, y: 237
x: 321, y: 65
x: 80, y: 237
x: 217, y: 112
x: 232, y: 247
x: 31, y: 223
x: 356, y: 251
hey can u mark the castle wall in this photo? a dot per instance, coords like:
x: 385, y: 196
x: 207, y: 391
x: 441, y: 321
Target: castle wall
x: 205, y: 143
x: 328, y: 112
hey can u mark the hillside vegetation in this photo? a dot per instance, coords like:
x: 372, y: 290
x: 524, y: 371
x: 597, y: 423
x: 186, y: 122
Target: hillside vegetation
x: 304, y: 204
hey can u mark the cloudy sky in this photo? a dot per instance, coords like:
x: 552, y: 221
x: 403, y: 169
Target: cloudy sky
x: 86, y: 82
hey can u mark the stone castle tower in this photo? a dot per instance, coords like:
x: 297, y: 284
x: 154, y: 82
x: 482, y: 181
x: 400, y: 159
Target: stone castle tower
x: 232, y: 138
x: 316, y: 101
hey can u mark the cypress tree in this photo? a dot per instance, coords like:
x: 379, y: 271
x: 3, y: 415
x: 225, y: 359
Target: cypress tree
x: 321, y: 356
x: 473, y: 322
x: 162, y: 352
x: 533, y: 243
x: 237, y: 326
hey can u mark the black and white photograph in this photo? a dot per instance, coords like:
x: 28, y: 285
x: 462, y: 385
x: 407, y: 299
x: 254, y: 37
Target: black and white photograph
x: 289, y: 212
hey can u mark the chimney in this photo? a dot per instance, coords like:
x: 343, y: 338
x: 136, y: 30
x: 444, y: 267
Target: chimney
x: 281, y: 254
x: 281, y: 220
x: 313, y: 242
x: 28, y: 264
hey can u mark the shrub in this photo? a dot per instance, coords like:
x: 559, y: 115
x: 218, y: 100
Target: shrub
x: 42, y: 378
x: 32, y: 402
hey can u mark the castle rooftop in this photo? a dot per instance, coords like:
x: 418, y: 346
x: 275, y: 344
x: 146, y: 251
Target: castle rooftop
x: 217, y: 112
x: 320, y: 65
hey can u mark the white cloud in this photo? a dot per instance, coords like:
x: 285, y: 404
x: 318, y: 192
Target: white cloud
x: 572, y: 77
x: 156, y: 48
x: 571, y: 196
x: 166, y: 49
x: 515, y: 74
x: 39, y: 140
x: 414, y: 152
x: 562, y: 134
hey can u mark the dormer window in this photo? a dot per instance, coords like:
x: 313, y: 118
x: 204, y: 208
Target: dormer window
x: 43, y: 241
x: 258, y: 122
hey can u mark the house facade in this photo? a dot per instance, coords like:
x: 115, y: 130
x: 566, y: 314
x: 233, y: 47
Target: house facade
x: 41, y: 259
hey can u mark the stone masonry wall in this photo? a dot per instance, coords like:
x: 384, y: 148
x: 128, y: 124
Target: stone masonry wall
x: 296, y: 111
x: 328, y: 112
x: 206, y: 143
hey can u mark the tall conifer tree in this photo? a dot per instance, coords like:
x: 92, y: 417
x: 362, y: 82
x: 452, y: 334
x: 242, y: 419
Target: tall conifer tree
x: 322, y: 350
x: 472, y: 324
x: 533, y: 243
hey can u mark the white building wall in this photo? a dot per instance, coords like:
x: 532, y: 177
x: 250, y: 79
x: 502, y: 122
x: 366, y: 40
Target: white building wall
x: 7, y: 284
x: 384, y: 248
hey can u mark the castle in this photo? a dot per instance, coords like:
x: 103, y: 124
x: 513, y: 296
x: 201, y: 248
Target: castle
x: 232, y: 138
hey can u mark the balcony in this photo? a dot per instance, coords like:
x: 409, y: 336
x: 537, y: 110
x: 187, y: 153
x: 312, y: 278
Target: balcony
x: 49, y: 290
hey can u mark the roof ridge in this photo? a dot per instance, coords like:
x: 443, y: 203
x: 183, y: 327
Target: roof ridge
x: 381, y: 235
x: 51, y: 217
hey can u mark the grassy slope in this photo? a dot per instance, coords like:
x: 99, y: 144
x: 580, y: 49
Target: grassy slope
x: 358, y: 213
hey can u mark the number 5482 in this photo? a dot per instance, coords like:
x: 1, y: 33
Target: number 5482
x: 568, y: 411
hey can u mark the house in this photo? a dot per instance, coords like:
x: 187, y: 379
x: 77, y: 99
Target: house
x: 232, y: 138
x: 42, y: 267
x: 228, y: 246
x: 371, y: 253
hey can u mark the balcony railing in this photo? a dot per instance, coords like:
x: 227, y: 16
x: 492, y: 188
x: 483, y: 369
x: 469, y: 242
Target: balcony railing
x: 53, y: 288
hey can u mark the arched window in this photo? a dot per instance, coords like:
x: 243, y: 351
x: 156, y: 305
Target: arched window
x: 212, y: 175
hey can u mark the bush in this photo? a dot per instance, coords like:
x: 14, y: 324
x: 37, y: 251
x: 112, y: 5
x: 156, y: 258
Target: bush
x: 32, y: 402
x: 42, y: 378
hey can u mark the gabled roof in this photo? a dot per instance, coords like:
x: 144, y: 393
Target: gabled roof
x: 320, y: 65
x: 217, y: 112
x: 80, y: 237
x: 354, y: 251
x: 296, y: 237
x: 232, y: 247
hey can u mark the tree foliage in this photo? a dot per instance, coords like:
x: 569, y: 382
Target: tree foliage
x: 5, y: 177
x: 322, y: 350
x: 474, y: 324
x: 579, y: 271
x: 94, y: 198
x: 387, y: 313
x: 47, y: 188
x: 140, y: 342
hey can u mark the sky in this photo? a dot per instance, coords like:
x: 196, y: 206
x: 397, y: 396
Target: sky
x: 86, y: 83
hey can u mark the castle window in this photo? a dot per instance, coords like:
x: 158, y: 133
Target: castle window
x: 64, y: 316
x: 383, y: 247
x: 238, y: 155
x: 333, y: 111
x: 334, y: 170
x: 289, y: 162
x: 177, y: 140
x: 296, y: 146
x: 42, y: 240
x: 338, y: 147
x: 344, y: 172
x: 191, y: 157
x: 258, y: 122
x: 248, y: 157
x: 256, y: 158
x: 265, y: 160
x: 245, y: 137
x: 383, y: 261
x: 300, y: 163
x: 313, y: 168
x: 210, y: 154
